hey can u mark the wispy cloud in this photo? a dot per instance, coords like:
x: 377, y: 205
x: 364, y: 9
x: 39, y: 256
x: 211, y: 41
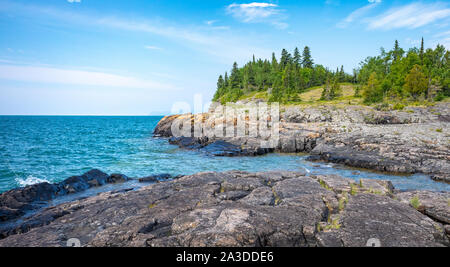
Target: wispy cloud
x: 37, y: 74
x: 442, y: 38
x: 210, y: 22
x: 152, y: 47
x: 257, y: 12
x: 360, y: 12
x: 410, y: 16
x: 223, y: 45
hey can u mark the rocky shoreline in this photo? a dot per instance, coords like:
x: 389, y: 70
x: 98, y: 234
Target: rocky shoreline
x: 276, y: 208
x: 414, y: 140
x: 243, y: 209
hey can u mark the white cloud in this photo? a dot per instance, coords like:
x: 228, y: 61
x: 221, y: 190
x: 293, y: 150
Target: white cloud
x: 223, y: 45
x: 447, y: 33
x: 210, y: 22
x: 152, y: 47
x: 37, y: 74
x: 442, y: 38
x: 360, y: 12
x: 257, y: 12
x: 74, y: 1
x: 410, y: 16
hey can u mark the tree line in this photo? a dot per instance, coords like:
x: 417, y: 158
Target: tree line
x: 416, y: 74
x: 282, y: 78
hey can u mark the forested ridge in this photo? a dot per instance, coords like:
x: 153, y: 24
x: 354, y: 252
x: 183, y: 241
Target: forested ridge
x: 418, y: 74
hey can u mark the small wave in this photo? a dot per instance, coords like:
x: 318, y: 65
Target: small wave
x: 30, y: 180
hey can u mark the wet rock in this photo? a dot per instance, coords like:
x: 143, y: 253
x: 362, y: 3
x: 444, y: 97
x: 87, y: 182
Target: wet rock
x: 222, y: 148
x: 188, y: 142
x: 117, y: 178
x: 83, y: 182
x: 17, y: 202
x: 155, y: 178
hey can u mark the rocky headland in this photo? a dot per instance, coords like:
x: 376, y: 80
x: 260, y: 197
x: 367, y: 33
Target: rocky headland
x: 259, y: 209
x: 414, y: 140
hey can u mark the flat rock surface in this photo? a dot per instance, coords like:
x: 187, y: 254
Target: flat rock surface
x: 415, y: 140
x: 237, y: 209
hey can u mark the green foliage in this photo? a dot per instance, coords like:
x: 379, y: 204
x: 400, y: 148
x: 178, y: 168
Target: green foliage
x: 392, y: 76
x: 415, y: 202
x: 283, y: 80
x: 332, y: 90
x: 415, y: 82
x: 416, y: 73
x: 372, y: 91
x: 353, y: 190
x: 398, y: 106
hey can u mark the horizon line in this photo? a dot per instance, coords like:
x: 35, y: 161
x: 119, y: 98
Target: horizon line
x: 87, y: 115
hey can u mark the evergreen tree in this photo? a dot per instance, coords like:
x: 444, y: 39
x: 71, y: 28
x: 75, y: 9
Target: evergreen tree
x: 235, y: 77
x: 307, y: 59
x: 285, y: 58
x: 326, y: 91
x: 297, y: 58
x: 342, y: 74
x: 226, y: 81
x: 251, y: 76
x: 421, y: 53
x: 392, y: 74
x: 220, y: 83
x: 398, y: 52
x: 220, y: 88
x: 336, y: 90
x: 274, y: 62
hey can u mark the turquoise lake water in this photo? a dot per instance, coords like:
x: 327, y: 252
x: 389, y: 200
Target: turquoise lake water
x: 52, y: 148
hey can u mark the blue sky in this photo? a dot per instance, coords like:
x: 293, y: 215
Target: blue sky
x: 139, y: 57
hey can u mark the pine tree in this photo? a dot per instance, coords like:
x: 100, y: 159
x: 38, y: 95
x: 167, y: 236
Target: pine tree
x: 307, y: 59
x: 220, y: 82
x: 398, y: 52
x: 342, y: 74
x: 297, y: 58
x: 422, y: 51
x: 251, y: 76
x: 226, y: 81
x: 336, y: 90
x: 286, y: 58
x: 235, y: 77
x: 274, y: 62
x: 326, y: 91
x: 220, y: 88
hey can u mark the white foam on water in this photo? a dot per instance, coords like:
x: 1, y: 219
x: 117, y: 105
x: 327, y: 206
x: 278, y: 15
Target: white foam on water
x: 30, y: 180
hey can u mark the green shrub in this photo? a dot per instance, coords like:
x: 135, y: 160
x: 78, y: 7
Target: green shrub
x: 415, y: 202
x: 398, y: 106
